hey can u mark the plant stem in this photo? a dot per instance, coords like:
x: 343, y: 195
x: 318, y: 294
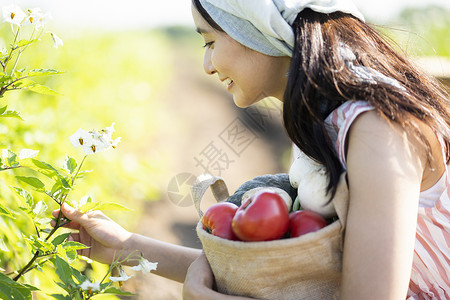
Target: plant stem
x: 28, y: 265
x: 12, y: 49
x: 57, y: 226
x: 15, y: 63
x: 78, y: 170
x: 37, y: 253
x: 9, y: 168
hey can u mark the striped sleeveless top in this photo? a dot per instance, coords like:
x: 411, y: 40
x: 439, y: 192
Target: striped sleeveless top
x: 430, y: 275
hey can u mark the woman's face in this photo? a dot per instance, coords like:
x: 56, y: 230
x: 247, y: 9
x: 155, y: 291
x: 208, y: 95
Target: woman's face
x: 249, y: 75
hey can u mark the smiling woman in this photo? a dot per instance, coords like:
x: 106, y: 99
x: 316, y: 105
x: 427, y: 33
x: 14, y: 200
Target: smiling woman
x: 333, y: 65
x: 243, y: 71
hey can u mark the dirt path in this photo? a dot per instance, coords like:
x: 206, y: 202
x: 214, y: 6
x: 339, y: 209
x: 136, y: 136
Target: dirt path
x: 207, y: 117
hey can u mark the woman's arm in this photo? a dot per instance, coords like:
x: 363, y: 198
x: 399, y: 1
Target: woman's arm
x: 173, y: 260
x: 106, y: 240
x: 385, y: 167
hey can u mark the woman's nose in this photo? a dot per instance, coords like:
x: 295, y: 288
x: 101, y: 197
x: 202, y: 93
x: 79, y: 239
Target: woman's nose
x: 207, y: 64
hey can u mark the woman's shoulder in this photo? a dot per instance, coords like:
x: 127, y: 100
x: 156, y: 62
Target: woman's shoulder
x: 387, y: 141
x: 339, y: 121
x: 361, y: 117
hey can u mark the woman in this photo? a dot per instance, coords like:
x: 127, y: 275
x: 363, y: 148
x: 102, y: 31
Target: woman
x: 351, y: 103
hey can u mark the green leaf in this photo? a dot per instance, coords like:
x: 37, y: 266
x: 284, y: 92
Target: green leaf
x: 33, y: 181
x: 63, y: 270
x: 3, y: 246
x: 42, y: 89
x: 40, y: 244
x: 33, y: 86
x: 23, y: 43
x: 42, y: 72
x: 61, y: 297
x: 11, y: 158
x: 19, y: 73
x: 45, y: 169
x: 5, y: 78
x: 74, y: 245
x: 70, y: 164
x: 39, y: 208
x: 10, y: 289
x: 11, y: 114
x: 102, y: 206
x: 25, y: 195
x: 116, y: 291
x: 3, y: 109
x: 77, y: 274
x: 56, y: 191
x: 113, y: 206
x: 60, y: 239
x: 6, y: 212
x: 71, y: 255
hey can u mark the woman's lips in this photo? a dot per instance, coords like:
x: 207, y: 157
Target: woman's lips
x: 228, y: 83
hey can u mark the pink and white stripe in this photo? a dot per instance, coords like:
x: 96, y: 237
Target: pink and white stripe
x: 430, y: 274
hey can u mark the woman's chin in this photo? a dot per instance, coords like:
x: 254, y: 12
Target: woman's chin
x: 244, y: 102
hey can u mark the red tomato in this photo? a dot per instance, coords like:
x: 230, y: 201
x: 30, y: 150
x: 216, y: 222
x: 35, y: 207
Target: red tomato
x: 217, y: 220
x: 304, y: 221
x: 262, y: 217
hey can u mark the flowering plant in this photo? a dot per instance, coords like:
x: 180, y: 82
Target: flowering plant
x: 27, y: 28
x: 40, y: 185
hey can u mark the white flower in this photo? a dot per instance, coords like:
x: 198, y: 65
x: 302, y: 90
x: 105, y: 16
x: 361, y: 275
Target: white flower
x: 115, y: 142
x: 56, y: 40
x: 80, y: 138
x: 37, y: 18
x: 94, y: 141
x: 108, y: 132
x: 145, y: 266
x: 122, y: 276
x: 89, y: 286
x: 13, y: 14
x: 94, y: 145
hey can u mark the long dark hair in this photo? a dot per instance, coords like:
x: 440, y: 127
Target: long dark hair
x: 319, y: 81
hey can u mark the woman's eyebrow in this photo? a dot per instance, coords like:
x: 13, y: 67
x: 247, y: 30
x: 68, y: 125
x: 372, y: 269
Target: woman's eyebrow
x: 201, y: 30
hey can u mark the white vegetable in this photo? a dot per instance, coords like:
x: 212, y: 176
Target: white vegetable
x: 283, y: 194
x: 310, y: 179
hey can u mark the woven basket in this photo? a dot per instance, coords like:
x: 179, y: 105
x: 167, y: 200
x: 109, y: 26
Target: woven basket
x: 306, y: 267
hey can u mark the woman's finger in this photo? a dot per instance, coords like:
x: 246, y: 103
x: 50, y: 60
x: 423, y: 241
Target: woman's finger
x: 66, y: 224
x: 55, y: 213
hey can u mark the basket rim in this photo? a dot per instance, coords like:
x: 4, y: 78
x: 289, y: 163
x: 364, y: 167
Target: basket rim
x: 286, y: 242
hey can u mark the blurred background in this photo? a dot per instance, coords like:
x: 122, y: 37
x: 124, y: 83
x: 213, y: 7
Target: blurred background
x: 139, y: 64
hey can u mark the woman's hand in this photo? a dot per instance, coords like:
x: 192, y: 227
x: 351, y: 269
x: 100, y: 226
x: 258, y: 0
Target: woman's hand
x: 104, y: 237
x: 200, y: 280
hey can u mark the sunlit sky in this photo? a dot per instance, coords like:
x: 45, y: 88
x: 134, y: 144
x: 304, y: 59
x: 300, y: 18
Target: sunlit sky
x: 132, y: 14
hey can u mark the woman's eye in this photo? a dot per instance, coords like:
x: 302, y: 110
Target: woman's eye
x: 208, y: 45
